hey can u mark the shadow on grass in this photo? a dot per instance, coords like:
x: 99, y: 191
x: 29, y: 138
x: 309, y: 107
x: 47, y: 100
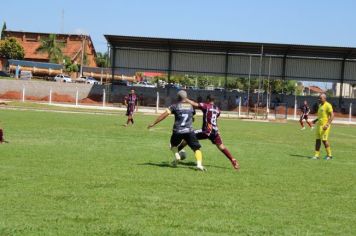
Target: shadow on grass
x: 297, y: 155
x: 189, y: 164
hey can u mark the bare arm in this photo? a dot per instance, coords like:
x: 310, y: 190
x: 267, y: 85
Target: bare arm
x: 163, y: 116
x: 331, y: 118
x: 194, y: 104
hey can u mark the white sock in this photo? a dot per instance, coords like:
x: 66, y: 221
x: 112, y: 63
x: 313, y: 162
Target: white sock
x: 199, y: 163
x: 176, y: 153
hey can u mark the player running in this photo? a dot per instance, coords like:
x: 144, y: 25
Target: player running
x: 182, y: 129
x: 210, y: 127
x: 305, y: 109
x: 325, y: 117
x: 131, y: 103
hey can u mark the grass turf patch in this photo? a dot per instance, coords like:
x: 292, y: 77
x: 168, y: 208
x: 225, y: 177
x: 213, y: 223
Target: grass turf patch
x: 80, y: 174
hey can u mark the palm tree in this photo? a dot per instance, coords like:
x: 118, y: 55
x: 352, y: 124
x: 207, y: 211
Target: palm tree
x: 52, y: 47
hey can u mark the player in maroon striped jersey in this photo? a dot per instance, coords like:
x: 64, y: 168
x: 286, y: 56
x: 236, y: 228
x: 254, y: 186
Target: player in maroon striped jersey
x: 131, y: 103
x: 1, y: 130
x: 210, y: 128
x: 305, y: 110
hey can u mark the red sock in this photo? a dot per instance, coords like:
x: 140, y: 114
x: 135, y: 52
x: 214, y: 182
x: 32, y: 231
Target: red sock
x: 301, y: 123
x: 1, y: 136
x: 227, y: 154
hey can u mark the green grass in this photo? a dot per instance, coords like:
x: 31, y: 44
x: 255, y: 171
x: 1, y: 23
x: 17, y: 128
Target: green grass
x: 82, y: 174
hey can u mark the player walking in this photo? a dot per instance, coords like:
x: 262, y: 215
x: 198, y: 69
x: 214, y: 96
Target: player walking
x: 182, y: 129
x: 131, y: 103
x: 323, y: 125
x: 305, y: 110
x: 210, y: 127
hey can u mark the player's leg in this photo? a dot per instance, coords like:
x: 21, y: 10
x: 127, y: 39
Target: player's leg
x: 182, y: 145
x: 200, y: 136
x: 194, y: 144
x: 301, y: 121
x: 317, y: 149
x: 325, y: 137
x: 176, y: 139
x: 1, y: 136
x: 216, y: 139
x: 129, y: 119
x: 307, y: 121
x: 132, y: 113
x: 318, y: 135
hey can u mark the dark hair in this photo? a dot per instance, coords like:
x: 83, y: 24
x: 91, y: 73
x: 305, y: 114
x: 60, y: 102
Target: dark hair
x: 210, y: 98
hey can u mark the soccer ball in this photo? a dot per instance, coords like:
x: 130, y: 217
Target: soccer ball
x: 183, y: 155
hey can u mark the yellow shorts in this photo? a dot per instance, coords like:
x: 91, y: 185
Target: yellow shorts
x: 322, y: 134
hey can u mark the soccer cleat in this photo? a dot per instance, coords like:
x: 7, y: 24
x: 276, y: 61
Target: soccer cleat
x: 327, y: 158
x: 311, y: 128
x: 235, y: 164
x: 315, y: 158
x: 302, y: 128
x: 174, y: 163
x: 201, y: 168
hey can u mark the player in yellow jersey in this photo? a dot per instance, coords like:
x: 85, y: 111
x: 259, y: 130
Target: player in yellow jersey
x: 323, y: 125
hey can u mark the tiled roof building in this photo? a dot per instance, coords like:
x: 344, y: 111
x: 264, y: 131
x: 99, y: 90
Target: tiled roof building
x: 73, y: 46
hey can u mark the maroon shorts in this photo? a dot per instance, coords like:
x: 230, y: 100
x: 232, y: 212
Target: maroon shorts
x: 214, y: 137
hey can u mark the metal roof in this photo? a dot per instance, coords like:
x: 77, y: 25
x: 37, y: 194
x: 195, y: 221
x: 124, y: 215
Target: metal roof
x: 231, y: 47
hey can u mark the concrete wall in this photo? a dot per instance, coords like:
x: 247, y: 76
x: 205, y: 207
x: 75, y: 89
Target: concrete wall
x: 42, y: 88
x: 116, y: 94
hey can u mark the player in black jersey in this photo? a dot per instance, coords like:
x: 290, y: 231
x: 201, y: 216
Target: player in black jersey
x: 182, y: 128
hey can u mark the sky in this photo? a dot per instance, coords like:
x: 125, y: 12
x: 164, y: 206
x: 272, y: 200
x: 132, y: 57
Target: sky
x: 309, y: 22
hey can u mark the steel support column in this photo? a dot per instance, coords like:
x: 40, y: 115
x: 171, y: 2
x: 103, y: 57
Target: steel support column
x: 113, y: 62
x: 342, y: 76
x: 284, y: 66
x: 169, y: 65
x: 226, y: 72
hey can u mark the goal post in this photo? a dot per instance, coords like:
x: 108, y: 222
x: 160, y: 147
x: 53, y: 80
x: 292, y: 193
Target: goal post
x: 280, y: 111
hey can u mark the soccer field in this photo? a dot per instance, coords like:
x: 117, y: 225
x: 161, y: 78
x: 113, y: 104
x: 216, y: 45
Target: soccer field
x: 84, y: 174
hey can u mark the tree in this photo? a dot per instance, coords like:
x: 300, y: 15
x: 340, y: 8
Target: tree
x: 2, y: 36
x: 52, y: 47
x: 11, y: 49
x: 69, y: 66
x: 102, y: 59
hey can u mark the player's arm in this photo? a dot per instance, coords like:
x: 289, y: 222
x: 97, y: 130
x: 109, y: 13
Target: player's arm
x: 194, y: 104
x: 316, y: 120
x: 308, y: 110
x: 163, y: 116
x: 331, y: 118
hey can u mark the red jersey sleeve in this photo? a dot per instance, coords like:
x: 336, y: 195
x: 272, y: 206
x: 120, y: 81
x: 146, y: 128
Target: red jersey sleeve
x: 202, y: 106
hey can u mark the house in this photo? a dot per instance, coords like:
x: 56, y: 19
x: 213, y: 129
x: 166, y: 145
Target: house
x: 74, y: 43
x: 312, y: 90
x: 348, y: 90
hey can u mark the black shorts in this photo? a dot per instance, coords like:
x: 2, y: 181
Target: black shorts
x: 304, y: 117
x: 130, y: 112
x: 190, y: 138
